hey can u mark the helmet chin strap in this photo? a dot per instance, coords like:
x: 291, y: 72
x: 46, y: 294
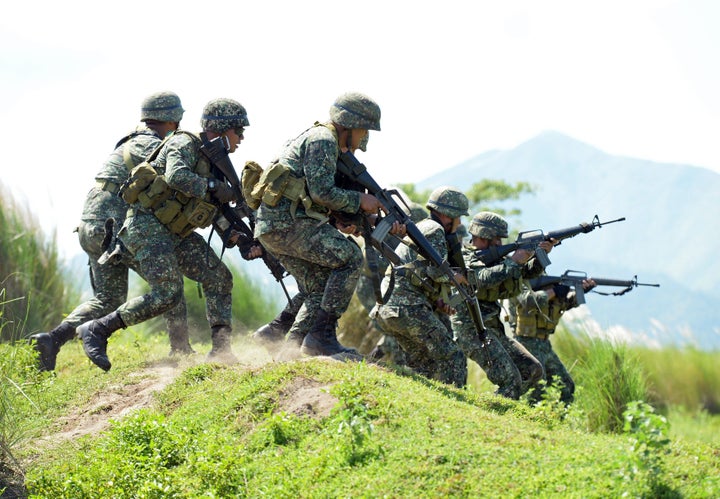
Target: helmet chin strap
x: 349, y: 140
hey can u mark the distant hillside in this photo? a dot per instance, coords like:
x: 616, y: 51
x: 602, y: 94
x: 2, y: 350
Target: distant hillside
x: 668, y: 237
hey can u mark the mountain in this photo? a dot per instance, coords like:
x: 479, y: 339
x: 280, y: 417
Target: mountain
x: 668, y: 236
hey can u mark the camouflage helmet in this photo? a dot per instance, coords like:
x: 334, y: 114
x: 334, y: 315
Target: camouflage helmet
x: 162, y: 106
x: 220, y: 115
x: 417, y: 212
x: 449, y: 201
x: 488, y: 225
x: 355, y: 110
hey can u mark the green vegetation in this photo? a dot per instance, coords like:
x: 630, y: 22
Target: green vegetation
x: 325, y: 429
x: 35, y: 291
x: 644, y: 423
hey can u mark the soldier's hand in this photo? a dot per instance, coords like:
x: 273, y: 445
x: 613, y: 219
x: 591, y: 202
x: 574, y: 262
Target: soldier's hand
x: 588, y: 284
x: 443, y: 308
x: 255, y: 251
x: 349, y: 229
x: 398, y: 229
x: 548, y: 245
x: 223, y: 193
x: 521, y: 256
x: 461, y: 279
x: 370, y: 204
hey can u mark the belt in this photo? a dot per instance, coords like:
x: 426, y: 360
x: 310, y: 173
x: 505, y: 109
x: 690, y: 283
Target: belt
x: 107, y: 185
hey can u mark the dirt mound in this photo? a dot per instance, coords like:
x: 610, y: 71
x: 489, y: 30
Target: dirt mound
x: 115, y: 402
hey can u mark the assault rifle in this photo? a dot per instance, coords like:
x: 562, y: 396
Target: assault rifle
x: 575, y: 278
x: 350, y: 167
x: 531, y: 239
x: 216, y: 150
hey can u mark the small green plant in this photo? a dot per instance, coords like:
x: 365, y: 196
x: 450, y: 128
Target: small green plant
x: 648, y: 433
x: 551, y: 408
x: 355, y: 423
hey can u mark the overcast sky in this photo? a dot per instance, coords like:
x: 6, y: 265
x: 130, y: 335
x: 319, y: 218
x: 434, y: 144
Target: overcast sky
x: 454, y: 79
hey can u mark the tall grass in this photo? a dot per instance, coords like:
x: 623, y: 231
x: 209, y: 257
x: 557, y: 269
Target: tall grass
x: 37, y: 291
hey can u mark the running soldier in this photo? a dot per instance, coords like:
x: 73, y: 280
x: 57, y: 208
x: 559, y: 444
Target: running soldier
x: 179, y: 195
x: 160, y: 114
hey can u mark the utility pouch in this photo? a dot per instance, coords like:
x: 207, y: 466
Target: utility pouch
x: 155, y: 194
x: 272, y: 184
x: 199, y: 213
x: 250, y: 177
x: 140, y: 178
x: 169, y: 210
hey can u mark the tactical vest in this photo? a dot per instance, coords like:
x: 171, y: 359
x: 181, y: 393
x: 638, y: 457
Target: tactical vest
x: 537, y: 322
x: 508, y: 288
x: 278, y: 181
x: 180, y: 213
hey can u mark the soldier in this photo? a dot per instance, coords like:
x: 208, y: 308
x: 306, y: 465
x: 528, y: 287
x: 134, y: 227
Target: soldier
x: 160, y: 114
x: 536, y: 315
x: 291, y: 220
x: 383, y: 345
x: 417, y: 312
x: 159, y: 231
x: 505, y: 361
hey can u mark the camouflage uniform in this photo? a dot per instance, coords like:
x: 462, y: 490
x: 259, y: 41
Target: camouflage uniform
x: 424, y: 333
x: 324, y: 262
x: 110, y: 281
x: 164, y: 256
x: 386, y: 345
x: 505, y: 361
x: 535, y: 318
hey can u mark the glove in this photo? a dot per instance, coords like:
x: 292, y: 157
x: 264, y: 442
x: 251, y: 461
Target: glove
x: 223, y: 193
x: 561, y: 291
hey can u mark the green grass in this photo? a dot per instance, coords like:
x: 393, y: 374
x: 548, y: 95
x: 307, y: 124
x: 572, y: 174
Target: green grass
x: 220, y: 431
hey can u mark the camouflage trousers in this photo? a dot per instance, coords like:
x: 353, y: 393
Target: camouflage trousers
x: 365, y: 292
x: 427, y: 340
x: 325, y: 264
x: 162, y: 259
x: 506, y: 362
x: 110, y: 283
x: 554, y: 369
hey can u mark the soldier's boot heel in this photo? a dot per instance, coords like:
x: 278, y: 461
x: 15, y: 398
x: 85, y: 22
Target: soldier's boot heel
x: 48, y: 345
x: 95, y: 334
x: 322, y: 338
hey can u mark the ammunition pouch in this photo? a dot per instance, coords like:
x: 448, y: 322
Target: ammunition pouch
x: 155, y: 193
x: 277, y: 182
x: 141, y: 177
x: 415, y: 272
x: 251, y: 174
x: 536, y: 323
x: 183, y: 214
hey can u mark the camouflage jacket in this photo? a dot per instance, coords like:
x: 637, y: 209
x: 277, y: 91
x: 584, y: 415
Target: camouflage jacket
x: 407, y: 290
x: 313, y: 156
x: 103, y: 204
x: 498, y: 282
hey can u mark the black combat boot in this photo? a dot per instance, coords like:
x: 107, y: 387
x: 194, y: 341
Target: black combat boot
x: 221, y: 351
x: 273, y: 333
x: 48, y: 344
x: 180, y: 342
x: 94, y: 335
x: 322, y: 338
